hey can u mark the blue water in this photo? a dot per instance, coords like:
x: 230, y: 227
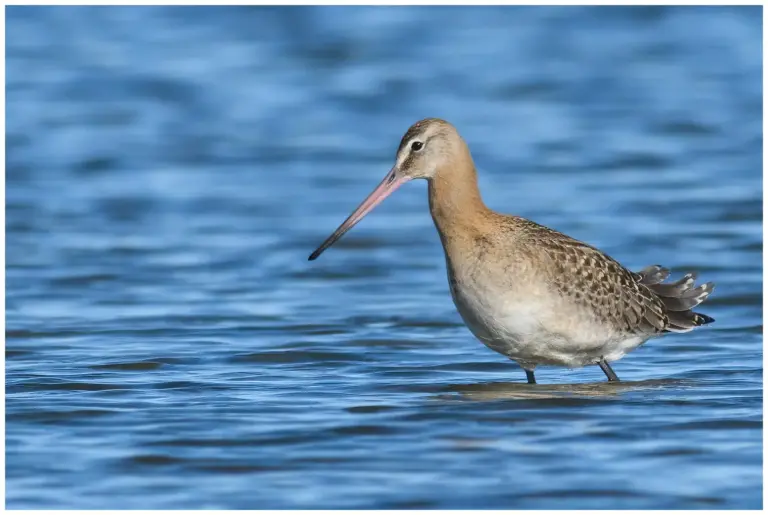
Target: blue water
x: 169, y: 170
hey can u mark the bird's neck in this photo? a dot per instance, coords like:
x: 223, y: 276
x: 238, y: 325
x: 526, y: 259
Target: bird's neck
x: 455, y: 202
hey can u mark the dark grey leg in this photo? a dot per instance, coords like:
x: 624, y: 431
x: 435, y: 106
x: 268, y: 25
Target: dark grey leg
x: 529, y: 375
x: 608, y: 370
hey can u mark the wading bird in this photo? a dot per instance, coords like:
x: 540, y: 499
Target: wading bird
x: 526, y: 291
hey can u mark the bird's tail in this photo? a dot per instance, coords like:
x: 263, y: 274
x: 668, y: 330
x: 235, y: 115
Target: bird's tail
x: 679, y: 297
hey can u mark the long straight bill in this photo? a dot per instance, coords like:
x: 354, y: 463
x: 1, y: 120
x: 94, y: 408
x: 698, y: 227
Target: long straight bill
x: 382, y: 191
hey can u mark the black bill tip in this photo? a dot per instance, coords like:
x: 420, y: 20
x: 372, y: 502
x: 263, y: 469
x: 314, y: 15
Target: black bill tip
x: 317, y: 252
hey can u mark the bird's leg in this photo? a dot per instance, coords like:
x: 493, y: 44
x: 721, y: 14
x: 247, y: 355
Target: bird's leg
x: 608, y: 370
x: 529, y: 375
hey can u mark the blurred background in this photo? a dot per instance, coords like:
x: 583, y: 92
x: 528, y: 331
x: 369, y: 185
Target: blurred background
x: 169, y: 170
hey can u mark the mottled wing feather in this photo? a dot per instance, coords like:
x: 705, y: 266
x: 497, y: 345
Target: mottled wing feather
x: 610, y: 292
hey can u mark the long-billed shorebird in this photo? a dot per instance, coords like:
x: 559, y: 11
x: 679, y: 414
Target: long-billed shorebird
x: 526, y: 291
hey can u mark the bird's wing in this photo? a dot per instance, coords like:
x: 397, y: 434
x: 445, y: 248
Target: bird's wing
x: 636, y: 302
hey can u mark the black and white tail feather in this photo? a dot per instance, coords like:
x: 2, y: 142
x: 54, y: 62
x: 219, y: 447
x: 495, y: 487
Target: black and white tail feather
x: 679, y: 298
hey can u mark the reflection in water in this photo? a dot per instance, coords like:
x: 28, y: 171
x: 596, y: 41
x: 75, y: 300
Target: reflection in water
x: 510, y: 391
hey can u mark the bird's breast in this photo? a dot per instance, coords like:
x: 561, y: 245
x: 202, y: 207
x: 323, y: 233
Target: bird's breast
x: 495, y: 310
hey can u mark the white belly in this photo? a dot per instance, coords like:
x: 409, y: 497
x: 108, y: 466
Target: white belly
x: 537, y: 328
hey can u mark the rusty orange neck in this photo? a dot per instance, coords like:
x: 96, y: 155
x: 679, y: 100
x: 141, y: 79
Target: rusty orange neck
x: 455, y: 202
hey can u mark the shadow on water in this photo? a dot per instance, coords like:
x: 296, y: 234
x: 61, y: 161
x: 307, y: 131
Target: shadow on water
x: 524, y: 391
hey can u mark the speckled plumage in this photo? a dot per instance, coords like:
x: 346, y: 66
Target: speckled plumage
x: 635, y: 302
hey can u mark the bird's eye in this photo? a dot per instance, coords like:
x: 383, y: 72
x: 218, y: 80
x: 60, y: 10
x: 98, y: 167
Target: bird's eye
x: 416, y: 146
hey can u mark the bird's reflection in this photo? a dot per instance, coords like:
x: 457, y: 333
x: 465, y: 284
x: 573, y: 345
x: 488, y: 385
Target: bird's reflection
x: 517, y: 390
